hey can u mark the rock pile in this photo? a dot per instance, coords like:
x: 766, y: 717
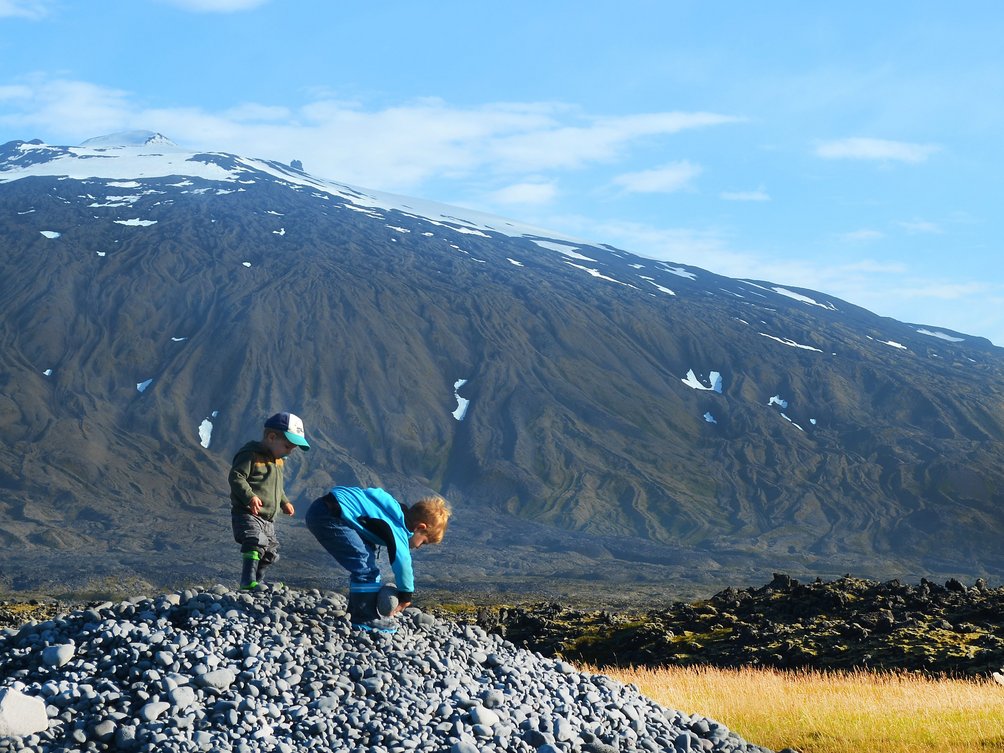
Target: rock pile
x: 282, y: 671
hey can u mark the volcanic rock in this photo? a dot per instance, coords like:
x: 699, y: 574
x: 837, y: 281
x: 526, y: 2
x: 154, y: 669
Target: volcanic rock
x: 847, y: 623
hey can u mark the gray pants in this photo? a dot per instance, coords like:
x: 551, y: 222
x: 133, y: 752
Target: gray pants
x: 256, y: 534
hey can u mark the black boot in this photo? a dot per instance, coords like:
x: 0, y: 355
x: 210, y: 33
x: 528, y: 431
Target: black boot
x: 267, y: 560
x: 363, y: 613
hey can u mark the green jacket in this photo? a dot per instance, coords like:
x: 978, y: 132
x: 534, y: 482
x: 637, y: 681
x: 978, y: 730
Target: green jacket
x: 255, y: 472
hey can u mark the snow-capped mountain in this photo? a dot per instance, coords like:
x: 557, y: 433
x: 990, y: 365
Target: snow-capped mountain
x: 593, y: 415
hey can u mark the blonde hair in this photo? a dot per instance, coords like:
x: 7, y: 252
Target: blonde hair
x: 435, y: 512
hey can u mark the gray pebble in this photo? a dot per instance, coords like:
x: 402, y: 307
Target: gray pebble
x: 481, y: 715
x: 220, y: 679
x: 493, y: 699
x: 182, y: 697
x: 57, y: 656
x: 152, y: 711
x: 104, y: 731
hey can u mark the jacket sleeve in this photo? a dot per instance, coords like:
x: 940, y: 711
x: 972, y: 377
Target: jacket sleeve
x: 404, y: 574
x: 240, y: 471
x: 396, y: 537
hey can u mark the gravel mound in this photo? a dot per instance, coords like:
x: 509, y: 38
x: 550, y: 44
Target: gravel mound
x: 282, y: 671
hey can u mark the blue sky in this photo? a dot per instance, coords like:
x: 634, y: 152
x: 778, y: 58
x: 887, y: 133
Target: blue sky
x: 853, y: 148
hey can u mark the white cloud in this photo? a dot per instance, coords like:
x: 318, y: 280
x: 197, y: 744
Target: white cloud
x: 943, y: 290
x: 30, y: 9
x: 253, y: 112
x: 666, y: 179
x: 875, y: 267
x: 215, y: 6
x: 529, y: 192
x: 566, y: 138
x: 707, y: 248
x: 922, y: 227
x: 758, y: 195
x: 14, y: 93
x: 863, y: 235
x: 876, y: 149
x: 888, y: 288
x: 397, y: 148
x: 50, y: 105
x: 896, y: 290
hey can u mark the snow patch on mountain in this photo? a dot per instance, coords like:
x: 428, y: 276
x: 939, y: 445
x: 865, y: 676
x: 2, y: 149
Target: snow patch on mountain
x: 941, y: 335
x: 595, y: 273
x: 462, y: 403
x: 206, y: 429
x: 561, y: 248
x: 679, y: 272
x: 714, y: 379
x: 791, y: 294
x: 665, y: 290
x: 789, y: 343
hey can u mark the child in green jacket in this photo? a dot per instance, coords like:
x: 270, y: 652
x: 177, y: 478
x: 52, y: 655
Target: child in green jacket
x: 257, y: 494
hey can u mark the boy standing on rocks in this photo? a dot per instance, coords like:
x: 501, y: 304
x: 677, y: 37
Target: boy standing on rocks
x: 353, y: 523
x: 257, y: 494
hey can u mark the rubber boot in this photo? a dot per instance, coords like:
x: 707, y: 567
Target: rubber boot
x: 249, y: 580
x: 267, y: 560
x: 363, y: 613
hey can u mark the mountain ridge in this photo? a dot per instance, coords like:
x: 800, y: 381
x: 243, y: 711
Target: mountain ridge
x: 593, y: 437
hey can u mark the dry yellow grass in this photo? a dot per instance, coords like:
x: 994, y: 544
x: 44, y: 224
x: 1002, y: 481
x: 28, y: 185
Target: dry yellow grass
x: 830, y: 712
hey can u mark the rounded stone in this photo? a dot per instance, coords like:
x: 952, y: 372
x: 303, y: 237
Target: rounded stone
x: 387, y: 601
x: 57, y: 656
x: 219, y: 679
x: 21, y: 714
x: 151, y: 711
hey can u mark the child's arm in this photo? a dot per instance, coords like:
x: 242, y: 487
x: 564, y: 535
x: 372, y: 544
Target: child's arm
x: 240, y: 489
x: 404, y: 574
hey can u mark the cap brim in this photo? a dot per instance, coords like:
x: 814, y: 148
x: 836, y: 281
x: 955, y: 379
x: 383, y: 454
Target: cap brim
x: 297, y: 440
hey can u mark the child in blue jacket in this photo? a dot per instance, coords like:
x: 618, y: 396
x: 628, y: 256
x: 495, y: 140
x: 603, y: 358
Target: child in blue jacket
x: 353, y: 523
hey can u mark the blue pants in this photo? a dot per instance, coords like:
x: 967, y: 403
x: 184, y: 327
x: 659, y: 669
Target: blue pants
x: 344, y: 543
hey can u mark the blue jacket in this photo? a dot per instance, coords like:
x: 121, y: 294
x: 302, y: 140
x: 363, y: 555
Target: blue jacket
x: 379, y: 520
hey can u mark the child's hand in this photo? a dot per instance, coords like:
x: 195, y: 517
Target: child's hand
x: 287, y: 507
x: 255, y: 505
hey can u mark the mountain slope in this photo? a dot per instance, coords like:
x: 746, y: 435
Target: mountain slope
x: 626, y: 420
